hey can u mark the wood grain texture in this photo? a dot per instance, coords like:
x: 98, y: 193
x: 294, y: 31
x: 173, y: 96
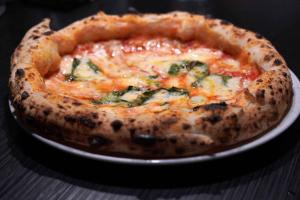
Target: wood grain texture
x: 31, y: 170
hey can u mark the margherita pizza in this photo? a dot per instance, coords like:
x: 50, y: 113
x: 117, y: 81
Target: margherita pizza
x: 168, y: 85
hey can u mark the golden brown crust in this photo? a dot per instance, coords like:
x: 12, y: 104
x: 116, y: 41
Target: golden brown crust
x: 171, y: 133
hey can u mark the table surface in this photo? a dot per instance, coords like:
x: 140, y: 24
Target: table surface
x: 32, y: 170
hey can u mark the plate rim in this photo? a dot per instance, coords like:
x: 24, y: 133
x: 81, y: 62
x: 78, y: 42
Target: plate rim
x: 280, y: 128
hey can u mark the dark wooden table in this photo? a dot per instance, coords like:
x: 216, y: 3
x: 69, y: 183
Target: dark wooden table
x: 32, y: 170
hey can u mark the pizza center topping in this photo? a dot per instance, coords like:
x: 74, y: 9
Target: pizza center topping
x: 141, y: 71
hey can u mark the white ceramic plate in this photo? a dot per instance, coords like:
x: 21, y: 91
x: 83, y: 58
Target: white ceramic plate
x: 290, y: 117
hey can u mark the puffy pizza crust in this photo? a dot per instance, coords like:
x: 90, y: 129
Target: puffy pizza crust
x: 131, y: 131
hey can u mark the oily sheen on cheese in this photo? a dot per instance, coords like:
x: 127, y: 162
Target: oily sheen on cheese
x: 155, y: 71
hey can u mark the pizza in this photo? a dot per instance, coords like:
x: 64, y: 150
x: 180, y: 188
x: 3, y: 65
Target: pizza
x: 149, y: 85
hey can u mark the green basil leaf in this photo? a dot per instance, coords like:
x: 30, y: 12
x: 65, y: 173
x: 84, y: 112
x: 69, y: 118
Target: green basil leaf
x: 190, y: 64
x: 71, y: 76
x: 174, y: 69
x: 197, y: 83
x: 93, y: 66
x: 177, y: 91
x: 153, y: 76
x: 114, y: 97
x: 225, y: 78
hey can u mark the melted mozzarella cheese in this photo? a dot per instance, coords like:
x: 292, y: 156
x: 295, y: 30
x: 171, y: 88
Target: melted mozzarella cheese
x: 164, y: 96
x: 215, y: 85
x: 83, y: 71
x: 131, y: 95
x: 234, y: 84
x: 197, y: 100
x: 145, y: 63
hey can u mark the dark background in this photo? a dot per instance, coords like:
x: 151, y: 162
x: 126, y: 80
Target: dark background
x: 32, y: 170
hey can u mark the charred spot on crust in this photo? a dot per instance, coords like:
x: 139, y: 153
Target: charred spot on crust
x: 212, y: 106
x: 268, y: 57
x: 70, y: 118
x: 131, y: 120
x: 211, y: 25
x: 277, y: 62
x: 234, y: 117
x: 259, y: 80
x: 273, y: 102
x: 98, y: 141
x: 76, y: 103
x: 85, y: 121
x: 48, y: 32
x: 214, y: 118
x: 95, y: 115
x: 116, y: 125
x: 216, y: 106
x: 34, y: 37
x: 169, y: 121
x: 143, y: 139
x: 186, y: 126
x: 196, y: 108
x: 274, y: 116
x: 260, y: 94
x: 24, y: 95
x: 284, y: 74
x: 47, y: 111
x: 61, y: 107
x: 20, y: 73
